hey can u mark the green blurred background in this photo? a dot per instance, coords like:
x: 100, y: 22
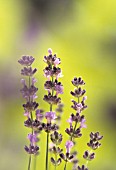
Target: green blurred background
x: 83, y: 33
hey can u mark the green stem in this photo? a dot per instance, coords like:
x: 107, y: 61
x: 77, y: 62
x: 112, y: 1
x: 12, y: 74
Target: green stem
x: 29, y: 164
x: 50, y: 107
x: 78, y: 99
x: 35, y: 162
x: 86, y: 163
x: 65, y: 165
x: 47, y: 144
x: 55, y: 167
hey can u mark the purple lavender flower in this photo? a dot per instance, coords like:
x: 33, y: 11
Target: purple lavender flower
x: 33, y: 81
x: 52, y: 99
x: 27, y: 114
x: 59, y: 89
x: 56, y: 138
x: 94, y: 140
x: 56, y: 86
x: 31, y: 149
x: 77, y: 81
x: 67, y: 157
x: 33, y: 138
x: 26, y: 60
x: 30, y: 106
x: 29, y: 93
x: 95, y: 136
x: 50, y: 116
x: 55, y: 72
x: 77, y: 106
x: 39, y: 115
x: 57, y: 62
x: 89, y: 156
x: 52, y: 59
x: 50, y: 51
x: 28, y: 71
x: 83, y: 102
x: 70, y: 120
x: 83, y: 125
x: 69, y: 145
x: 78, y: 92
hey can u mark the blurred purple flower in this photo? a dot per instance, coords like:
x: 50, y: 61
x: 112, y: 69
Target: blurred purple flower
x: 26, y: 60
x: 28, y: 71
x: 77, y: 81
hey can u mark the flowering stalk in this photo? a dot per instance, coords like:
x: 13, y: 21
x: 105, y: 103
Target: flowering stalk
x: 77, y: 121
x: 93, y: 144
x: 52, y: 73
x: 56, y: 138
x: 29, y: 93
x: 78, y: 106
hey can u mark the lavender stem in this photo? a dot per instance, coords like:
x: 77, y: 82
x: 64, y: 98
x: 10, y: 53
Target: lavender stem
x: 35, y: 163
x: 29, y: 164
x: 65, y: 165
x: 47, y: 150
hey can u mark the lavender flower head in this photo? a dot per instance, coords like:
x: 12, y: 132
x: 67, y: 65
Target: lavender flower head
x: 77, y: 81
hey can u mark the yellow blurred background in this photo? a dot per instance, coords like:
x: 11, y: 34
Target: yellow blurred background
x: 83, y: 33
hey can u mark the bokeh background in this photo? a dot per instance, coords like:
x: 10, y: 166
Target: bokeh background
x: 83, y: 33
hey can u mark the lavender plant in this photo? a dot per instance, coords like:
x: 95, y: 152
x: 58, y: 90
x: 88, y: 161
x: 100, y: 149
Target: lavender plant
x: 49, y: 121
x: 29, y: 94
